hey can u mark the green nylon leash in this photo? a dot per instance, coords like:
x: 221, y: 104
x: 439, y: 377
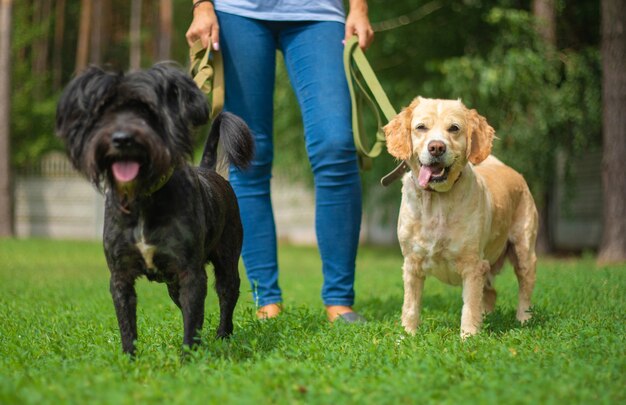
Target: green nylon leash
x: 207, y: 71
x: 367, y: 90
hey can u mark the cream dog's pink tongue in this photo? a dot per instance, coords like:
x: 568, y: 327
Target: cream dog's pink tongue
x: 424, y: 175
x: 125, y: 171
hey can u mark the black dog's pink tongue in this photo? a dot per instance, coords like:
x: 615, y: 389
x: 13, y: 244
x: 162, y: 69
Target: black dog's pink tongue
x: 125, y: 171
x: 424, y: 175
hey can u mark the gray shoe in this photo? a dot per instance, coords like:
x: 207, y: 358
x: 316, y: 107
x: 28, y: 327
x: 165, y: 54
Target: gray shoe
x: 351, y: 317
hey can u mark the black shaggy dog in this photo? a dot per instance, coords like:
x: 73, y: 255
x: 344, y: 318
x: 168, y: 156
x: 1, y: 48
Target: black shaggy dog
x: 130, y: 134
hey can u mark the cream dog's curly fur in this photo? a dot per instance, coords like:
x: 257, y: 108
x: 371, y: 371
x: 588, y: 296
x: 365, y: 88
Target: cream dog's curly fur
x: 462, y: 212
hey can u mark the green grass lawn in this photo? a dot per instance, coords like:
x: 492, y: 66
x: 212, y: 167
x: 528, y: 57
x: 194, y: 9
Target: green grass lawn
x: 59, y: 341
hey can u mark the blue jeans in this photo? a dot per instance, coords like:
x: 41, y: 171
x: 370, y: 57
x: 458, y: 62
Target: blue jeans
x: 313, y: 57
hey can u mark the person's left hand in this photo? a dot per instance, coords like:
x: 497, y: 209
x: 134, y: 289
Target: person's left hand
x: 358, y: 23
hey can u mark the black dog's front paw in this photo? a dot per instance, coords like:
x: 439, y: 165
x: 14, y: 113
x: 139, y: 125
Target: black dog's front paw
x: 125, y: 302
x: 223, y: 335
x: 224, y: 331
x: 192, y: 343
x: 130, y: 350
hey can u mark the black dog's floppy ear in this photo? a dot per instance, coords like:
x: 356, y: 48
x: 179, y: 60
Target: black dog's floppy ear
x: 182, y: 95
x: 80, y: 105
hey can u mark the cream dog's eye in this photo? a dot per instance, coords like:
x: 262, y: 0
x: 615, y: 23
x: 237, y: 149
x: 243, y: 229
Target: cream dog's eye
x: 421, y: 127
x: 454, y: 128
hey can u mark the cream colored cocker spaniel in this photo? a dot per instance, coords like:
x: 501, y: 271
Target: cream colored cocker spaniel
x: 462, y: 212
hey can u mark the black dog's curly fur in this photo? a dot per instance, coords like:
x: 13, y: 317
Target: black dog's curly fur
x: 167, y: 220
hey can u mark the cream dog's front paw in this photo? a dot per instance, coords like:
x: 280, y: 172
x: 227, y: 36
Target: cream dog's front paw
x: 523, y: 316
x: 468, y: 331
x: 410, y: 325
x: 410, y: 330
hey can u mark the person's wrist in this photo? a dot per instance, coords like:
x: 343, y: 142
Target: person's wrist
x: 204, y: 5
x: 359, y: 6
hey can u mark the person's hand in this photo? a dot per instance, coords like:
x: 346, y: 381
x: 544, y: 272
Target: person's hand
x: 204, y: 26
x: 358, y: 23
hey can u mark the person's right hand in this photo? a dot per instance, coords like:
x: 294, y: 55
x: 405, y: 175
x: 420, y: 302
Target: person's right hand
x: 358, y: 23
x: 204, y: 26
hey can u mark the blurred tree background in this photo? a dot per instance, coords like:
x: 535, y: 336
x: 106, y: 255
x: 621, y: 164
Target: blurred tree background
x: 532, y: 67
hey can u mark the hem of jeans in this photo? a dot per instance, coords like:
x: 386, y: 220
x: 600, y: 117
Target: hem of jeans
x: 268, y: 301
x: 337, y: 301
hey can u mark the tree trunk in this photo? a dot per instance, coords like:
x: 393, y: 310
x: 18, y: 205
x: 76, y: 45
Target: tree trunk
x: 107, y: 33
x: 165, y: 30
x: 57, y: 57
x: 6, y: 189
x: 41, y: 18
x: 82, y: 51
x: 95, y: 56
x: 135, y: 35
x: 544, y: 12
x: 613, y: 247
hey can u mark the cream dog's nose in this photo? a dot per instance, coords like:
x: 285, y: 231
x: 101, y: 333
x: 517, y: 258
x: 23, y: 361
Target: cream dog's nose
x: 436, y: 148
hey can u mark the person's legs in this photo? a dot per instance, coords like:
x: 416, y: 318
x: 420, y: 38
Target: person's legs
x: 313, y: 56
x: 249, y: 51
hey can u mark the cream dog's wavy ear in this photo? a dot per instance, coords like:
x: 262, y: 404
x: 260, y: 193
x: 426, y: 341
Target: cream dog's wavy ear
x: 479, y: 137
x: 398, y: 133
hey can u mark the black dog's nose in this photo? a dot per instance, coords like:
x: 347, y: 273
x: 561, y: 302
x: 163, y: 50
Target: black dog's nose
x: 436, y: 148
x: 121, y: 139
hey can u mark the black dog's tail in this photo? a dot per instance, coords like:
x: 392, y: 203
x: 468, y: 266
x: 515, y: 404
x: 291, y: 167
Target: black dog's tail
x: 237, y: 143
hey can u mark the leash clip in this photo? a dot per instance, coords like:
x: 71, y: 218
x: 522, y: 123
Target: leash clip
x: 395, y: 174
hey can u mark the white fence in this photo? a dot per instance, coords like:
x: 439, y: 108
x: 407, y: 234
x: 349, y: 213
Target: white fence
x: 577, y: 213
x: 54, y: 201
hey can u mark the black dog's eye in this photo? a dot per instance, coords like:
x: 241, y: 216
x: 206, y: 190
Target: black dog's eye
x: 138, y: 107
x: 454, y: 128
x: 421, y: 127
